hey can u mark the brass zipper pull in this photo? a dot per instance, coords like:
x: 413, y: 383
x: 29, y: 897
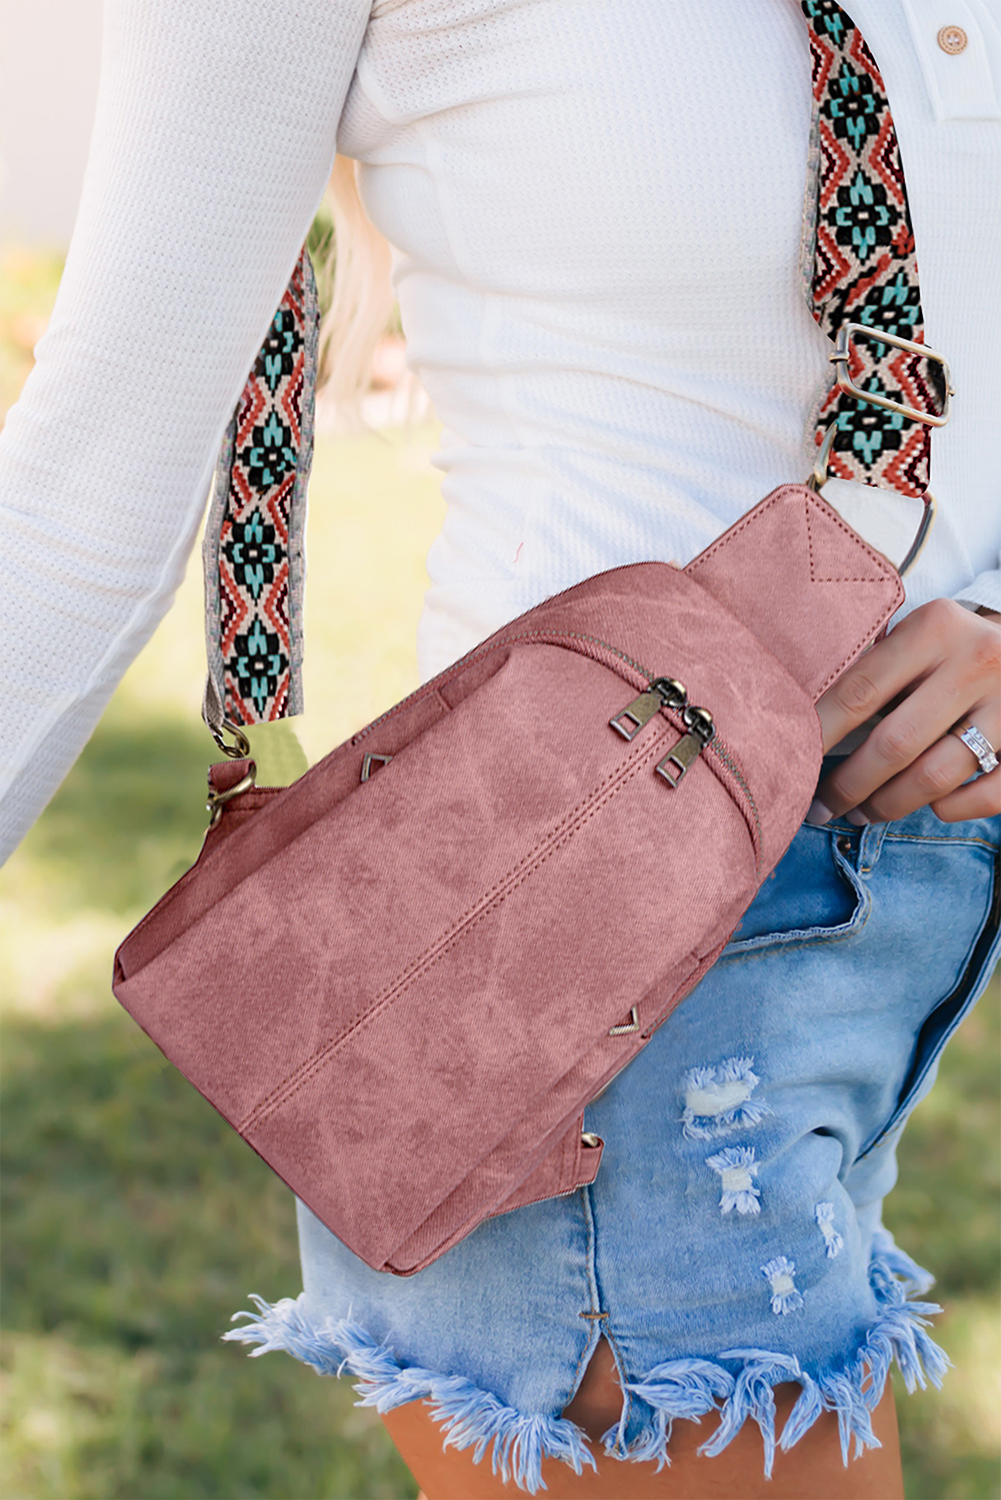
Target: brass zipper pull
x: 663, y: 692
x: 701, y: 730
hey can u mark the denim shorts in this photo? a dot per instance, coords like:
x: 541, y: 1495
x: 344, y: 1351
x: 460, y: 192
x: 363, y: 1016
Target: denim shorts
x: 732, y: 1240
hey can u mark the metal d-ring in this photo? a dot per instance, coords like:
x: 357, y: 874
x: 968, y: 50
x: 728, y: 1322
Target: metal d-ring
x: 820, y: 475
x: 216, y: 801
x: 240, y: 748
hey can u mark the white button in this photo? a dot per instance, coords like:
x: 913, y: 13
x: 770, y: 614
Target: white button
x: 959, y: 45
x: 952, y: 39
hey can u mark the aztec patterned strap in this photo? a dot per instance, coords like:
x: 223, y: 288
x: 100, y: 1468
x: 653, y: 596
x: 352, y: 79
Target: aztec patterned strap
x: 861, y: 272
x: 862, y: 269
x: 253, y: 549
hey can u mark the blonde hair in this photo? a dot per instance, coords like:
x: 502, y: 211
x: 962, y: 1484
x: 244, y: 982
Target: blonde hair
x: 361, y: 299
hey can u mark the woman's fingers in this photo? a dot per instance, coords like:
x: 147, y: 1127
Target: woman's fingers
x: 867, y: 793
x: 916, y: 647
x: 978, y: 799
x: 940, y: 667
x: 909, y: 758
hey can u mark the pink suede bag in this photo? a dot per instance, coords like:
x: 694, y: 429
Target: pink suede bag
x: 402, y: 978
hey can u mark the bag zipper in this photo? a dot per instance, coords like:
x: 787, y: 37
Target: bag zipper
x: 663, y: 695
x: 668, y: 692
x: 630, y: 670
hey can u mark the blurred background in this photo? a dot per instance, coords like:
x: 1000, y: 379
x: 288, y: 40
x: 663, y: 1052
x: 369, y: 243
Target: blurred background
x: 134, y: 1221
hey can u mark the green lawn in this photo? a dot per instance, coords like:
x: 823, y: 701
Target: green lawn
x: 135, y: 1222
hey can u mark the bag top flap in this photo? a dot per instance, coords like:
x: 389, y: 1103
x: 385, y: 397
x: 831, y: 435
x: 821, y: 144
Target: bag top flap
x: 809, y: 587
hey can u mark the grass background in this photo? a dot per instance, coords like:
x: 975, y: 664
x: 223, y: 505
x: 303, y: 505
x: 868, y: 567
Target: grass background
x: 135, y: 1221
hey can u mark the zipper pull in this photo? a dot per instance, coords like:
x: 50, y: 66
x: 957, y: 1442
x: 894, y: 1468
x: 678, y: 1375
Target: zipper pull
x: 701, y: 730
x: 663, y: 692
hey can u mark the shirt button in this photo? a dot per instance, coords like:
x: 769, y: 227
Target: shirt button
x: 952, y: 39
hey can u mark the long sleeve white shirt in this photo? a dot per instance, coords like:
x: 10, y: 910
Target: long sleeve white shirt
x: 596, y: 209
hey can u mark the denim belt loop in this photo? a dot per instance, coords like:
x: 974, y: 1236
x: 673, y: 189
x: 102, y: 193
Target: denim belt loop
x: 870, y: 844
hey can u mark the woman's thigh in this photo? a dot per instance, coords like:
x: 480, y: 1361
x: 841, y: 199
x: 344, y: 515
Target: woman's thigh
x: 813, y: 1470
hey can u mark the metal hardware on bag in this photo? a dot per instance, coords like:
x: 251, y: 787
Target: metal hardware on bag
x: 919, y: 541
x: 663, y: 692
x: 633, y: 1024
x: 841, y: 355
x: 701, y: 731
x: 674, y: 765
x: 719, y: 749
x: 217, y: 800
x: 373, y: 760
x: 673, y: 692
x: 218, y: 726
x: 240, y: 749
x: 589, y: 1141
x: 820, y: 476
x: 631, y: 720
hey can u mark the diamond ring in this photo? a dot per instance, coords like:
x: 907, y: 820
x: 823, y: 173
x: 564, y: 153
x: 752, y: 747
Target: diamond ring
x: 978, y: 742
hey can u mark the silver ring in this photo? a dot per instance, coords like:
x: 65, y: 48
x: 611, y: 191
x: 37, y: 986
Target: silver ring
x: 978, y: 742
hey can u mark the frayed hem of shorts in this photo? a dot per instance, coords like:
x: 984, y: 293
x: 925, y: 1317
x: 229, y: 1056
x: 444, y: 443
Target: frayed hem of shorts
x: 693, y: 1388
x: 469, y: 1416
x: 738, y: 1384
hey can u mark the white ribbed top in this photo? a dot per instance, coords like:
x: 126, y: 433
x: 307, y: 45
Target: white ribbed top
x: 597, y: 208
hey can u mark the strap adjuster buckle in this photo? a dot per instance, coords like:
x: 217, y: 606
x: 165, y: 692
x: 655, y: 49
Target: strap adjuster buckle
x: 842, y: 354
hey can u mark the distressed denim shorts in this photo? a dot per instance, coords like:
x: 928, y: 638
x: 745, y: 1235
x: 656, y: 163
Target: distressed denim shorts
x: 732, y: 1240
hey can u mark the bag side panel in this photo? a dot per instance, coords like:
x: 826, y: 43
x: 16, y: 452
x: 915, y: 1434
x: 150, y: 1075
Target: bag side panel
x: 479, y: 1038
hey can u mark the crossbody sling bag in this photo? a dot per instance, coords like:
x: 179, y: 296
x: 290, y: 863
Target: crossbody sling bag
x: 402, y: 978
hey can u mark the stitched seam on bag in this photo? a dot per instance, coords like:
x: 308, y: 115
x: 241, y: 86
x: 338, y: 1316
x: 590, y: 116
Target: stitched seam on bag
x: 319, y: 1060
x: 696, y: 564
x: 738, y: 794
x: 176, y: 890
x: 836, y: 519
x: 542, y: 1198
x: 431, y: 689
x: 547, y: 838
x: 540, y: 637
x: 426, y: 690
x: 888, y: 575
x: 422, y: 1228
x: 587, y: 810
x: 842, y: 578
x: 568, y: 1148
x: 300, y: 1076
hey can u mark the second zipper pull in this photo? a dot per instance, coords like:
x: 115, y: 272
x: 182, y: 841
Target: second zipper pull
x: 676, y: 762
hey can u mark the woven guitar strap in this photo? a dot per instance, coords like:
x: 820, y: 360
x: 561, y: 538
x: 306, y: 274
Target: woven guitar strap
x: 862, y: 271
x: 873, y: 424
x: 253, y: 548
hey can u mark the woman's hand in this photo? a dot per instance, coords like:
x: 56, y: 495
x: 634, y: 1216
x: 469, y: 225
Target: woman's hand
x: 939, y: 667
